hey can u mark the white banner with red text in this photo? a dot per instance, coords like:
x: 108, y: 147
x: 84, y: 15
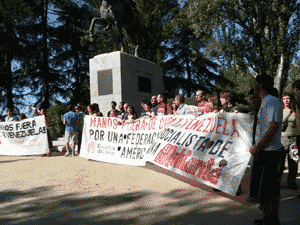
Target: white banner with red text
x: 212, y: 149
x: 26, y: 137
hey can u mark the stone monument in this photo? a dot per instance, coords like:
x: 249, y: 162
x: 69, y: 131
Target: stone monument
x: 117, y: 76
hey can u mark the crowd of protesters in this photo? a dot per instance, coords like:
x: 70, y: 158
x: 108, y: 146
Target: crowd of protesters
x: 276, y: 131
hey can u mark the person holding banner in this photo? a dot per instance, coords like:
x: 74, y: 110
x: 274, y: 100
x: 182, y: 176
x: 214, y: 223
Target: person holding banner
x: 203, y: 106
x: 214, y: 104
x: 154, y: 104
x: 163, y: 108
x: 148, y: 112
x: 226, y: 98
x: 179, y: 101
x: 268, y: 152
x: 10, y: 117
x: 131, y: 114
x: 48, y: 124
x: 113, y: 107
x: 71, y: 120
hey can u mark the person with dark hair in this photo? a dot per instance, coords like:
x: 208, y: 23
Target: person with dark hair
x: 179, y: 102
x: 71, y: 120
x: 288, y: 138
x: 121, y: 108
x: 163, y: 108
x: 274, y: 92
x: 227, y: 102
x: 78, y: 110
x: 131, y: 114
x: 154, y: 104
x: 113, y: 107
x: 268, y: 151
x: 95, y: 110
x: 48, y: 124
x: 148, y: 112
x: 255, y: 101
x: 10, y: 116
x: 174, y: 107
x: 214, y: 104
x: 22, y: 116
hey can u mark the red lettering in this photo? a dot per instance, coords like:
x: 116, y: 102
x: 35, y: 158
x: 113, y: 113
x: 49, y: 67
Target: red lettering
x: 201, y: 125
x: 191, y: 166
x: 214, y: 175
x: 160, y: 123
x: 213, y: 127
x: 181, y: 159
x: 234, y: 129
x: 137, y: 124
x: 143, y: 125
x: 115, y: 124
x: 218, y: 125
x: 188, y: 126
x: 196, y: 124
x: 166, y: 155
x: 93, y: 121
x: 205, y: 130
x: 186, y: 121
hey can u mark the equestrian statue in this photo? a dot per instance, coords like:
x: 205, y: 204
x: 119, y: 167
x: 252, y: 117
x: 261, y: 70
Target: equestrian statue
x: 122, y: 14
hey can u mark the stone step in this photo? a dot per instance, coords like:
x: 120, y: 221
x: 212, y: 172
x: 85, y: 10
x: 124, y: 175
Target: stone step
x: 59, y: 144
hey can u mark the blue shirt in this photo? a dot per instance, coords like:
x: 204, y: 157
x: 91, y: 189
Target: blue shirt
x: 71, y: 119
x: 270, y: 110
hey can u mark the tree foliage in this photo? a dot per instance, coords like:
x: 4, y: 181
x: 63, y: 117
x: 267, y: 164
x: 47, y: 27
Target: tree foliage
x: 262, y: 35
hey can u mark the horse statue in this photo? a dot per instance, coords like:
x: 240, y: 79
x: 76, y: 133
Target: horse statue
x: 122, y: 14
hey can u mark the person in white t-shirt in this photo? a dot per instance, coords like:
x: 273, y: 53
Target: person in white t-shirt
x: 268, y: 151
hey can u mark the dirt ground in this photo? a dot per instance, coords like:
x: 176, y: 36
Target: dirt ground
x: 74, y: 190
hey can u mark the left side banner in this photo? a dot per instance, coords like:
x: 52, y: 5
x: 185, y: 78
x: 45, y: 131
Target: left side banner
x: 26, y: 137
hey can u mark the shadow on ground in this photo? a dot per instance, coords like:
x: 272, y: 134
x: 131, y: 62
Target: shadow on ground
x: 37, y: 206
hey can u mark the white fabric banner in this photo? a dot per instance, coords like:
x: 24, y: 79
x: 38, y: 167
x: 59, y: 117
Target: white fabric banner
x: 111, y: 140
x: 212, y: 149
x: 26, y: 137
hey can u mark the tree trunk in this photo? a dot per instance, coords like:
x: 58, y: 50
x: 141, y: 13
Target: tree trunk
x: 45, y: 69
x: 279, y: 75
x: 187, y: 62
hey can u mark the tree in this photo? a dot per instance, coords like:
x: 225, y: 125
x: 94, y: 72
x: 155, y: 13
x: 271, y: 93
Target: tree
x: 46, y: 81
x: 263, y: 35
x: 72, y: 21
x: 186, y: 58
x: 12, y: 14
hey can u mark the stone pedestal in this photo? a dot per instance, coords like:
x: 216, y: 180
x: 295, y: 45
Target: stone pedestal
x: 117, y: 76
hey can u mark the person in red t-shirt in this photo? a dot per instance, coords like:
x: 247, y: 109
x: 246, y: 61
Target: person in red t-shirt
x: 202, y: 104
x: 163, y: 108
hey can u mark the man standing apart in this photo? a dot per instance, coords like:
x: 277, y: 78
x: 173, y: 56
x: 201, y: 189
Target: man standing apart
x: 179, y: 102
x: 268, y: 152
x: 71, y: 120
